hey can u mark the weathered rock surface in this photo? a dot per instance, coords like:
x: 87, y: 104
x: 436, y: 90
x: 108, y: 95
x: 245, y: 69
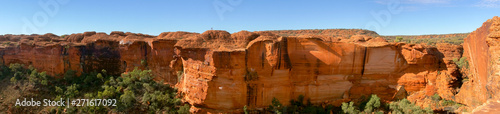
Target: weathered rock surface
x: 287, y: 67
x: 481, y: 48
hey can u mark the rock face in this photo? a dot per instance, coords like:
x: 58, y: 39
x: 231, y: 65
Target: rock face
x: 54, y: 59
x: 221, y: 72
x: 481, y: 48
x: 286, y: 67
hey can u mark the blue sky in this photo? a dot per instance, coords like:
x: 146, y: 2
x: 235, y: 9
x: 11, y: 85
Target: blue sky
x: 416, y: 17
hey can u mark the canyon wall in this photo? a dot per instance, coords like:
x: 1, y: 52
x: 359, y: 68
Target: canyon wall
x: 324, y: 72
x: 221, y: 72
x: 481, y: 48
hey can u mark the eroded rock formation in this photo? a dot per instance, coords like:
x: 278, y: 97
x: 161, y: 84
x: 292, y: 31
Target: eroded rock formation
x: 221, y: 72
x: 481, y: 48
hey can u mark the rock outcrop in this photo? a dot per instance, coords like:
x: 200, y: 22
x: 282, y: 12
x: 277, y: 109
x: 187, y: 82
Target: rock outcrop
x: 481, y: 48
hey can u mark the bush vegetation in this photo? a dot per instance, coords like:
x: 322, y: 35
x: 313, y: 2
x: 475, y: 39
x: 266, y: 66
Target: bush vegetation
x: 462, y: 62
x: 135, y: 92
x: 404, y: 106
x: 251, y: 75
x: 372, y: 104
x: 144, y: 62
x: 298, y: 106
x: 463, y: 65
x: 442, y: 103
x: 428, y: 41
x: 367, y: 105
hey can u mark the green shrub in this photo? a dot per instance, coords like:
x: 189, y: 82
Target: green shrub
x: 72, y: 91
x: 13, y: 80
x: 184, y: 109
x: 463, y: 65
x: 436, y: 97
x: 398, y: 39
x: 31, y: 75
x: 462, y: 62
x: 144, y: 62
x: 406, y: 107
x: 69, y: 75
x: 4, y: 72
x: 99, y: 76
x: 299, y: 106
x: 374, y: 103
x: 109, y: 92
x: 127, y: 100
x: 59, y: 90
x: 155, y: 97
x: 159, y: 100
x: 245, y: 109
x: 449, y: 103
x: 251, y: 75
x: 349, y: 108
x: 275, y: 106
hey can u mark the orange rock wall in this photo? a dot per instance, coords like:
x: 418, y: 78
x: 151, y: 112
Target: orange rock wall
x: 161, y: 60
x: 289, y: 66
x: 228, y: 88
x: 226, y: 79
x: 322, y: 70
x: 134, y: 55
x: 481, y: 48
x: 47, y: 58
x: 113, y: 56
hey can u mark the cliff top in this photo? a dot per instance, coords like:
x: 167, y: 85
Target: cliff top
x: 325, y: 32
x: 213, y: 39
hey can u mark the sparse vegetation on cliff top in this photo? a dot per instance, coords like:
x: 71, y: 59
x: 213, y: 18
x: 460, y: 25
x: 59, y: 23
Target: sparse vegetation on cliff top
x: 456, y: 39
x: 347, y: 33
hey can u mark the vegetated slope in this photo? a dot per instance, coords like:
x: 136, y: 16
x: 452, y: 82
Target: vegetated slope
x: 132, y: 92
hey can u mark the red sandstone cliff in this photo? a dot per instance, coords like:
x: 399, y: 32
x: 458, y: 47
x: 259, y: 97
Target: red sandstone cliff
x: 482, y: 50
x: 222, y: 72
